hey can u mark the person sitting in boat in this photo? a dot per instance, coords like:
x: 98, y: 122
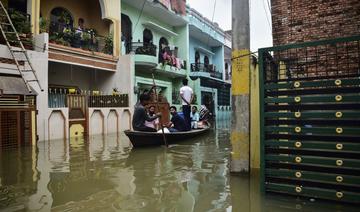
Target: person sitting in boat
x: 140, y: 115
x: 154, y: 123
x: 177, y: 123
x: 195, y: 117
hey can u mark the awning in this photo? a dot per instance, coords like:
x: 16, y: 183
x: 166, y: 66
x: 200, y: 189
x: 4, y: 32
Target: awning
x: 14, y: 85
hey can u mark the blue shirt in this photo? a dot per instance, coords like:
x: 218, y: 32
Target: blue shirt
x: 179, y: 123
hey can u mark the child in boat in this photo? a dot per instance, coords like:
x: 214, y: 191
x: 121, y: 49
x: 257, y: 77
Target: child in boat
x: 195, y: 117
x: 154, y: 123
x: 177, y: 123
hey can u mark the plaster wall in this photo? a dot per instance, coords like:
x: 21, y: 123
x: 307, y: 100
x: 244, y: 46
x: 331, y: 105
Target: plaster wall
x: 89, y: 10
x: 181, y: 41
x: 105, y: 121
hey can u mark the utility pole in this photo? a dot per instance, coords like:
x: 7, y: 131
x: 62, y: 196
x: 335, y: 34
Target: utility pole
x: 240, y: 123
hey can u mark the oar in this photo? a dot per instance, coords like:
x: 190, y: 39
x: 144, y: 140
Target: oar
x: 158, y: 109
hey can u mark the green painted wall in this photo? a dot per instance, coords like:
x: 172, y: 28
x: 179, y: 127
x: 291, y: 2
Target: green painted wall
x: 181, y: 41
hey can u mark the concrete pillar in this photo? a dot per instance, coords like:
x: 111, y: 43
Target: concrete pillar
x: 240, y: 137
x: 33, y: 8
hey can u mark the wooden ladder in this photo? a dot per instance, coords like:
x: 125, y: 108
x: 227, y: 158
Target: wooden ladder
x: 7, y: 29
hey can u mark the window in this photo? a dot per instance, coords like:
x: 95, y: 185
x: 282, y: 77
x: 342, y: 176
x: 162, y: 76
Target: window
x: 60, y: 18
x: 147, y: 37
x: 162, y: 44
x: 126, y: 31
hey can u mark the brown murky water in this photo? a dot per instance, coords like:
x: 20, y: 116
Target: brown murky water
x: 104, y: 174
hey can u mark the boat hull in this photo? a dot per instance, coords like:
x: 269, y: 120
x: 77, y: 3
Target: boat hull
x: 147, y: 139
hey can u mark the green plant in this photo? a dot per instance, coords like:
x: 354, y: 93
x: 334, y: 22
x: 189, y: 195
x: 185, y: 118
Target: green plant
x: 44, y: 25
x: 20, y: 22
x: 109, y: 44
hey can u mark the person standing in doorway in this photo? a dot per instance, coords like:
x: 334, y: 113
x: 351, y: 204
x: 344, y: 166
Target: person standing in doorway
x: 187, y: 96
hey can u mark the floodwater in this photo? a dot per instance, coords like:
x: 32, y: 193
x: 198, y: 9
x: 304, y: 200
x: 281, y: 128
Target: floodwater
x: 105, y: 174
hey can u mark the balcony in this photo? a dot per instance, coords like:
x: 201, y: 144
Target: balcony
x: 200, y: 69
x: 145, y: 54
x: 172, y: 12
x: 84, y: 41
x: 167, y: 64
x: 91, y: 50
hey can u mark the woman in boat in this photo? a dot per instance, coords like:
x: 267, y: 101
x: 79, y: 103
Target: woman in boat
x: 140, y: 115
x: 154, y: 123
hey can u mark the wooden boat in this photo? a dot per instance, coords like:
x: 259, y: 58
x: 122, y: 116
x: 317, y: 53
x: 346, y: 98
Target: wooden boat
x: 143, y: 139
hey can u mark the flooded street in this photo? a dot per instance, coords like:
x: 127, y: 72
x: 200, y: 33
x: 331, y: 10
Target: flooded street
x: 104, y: 174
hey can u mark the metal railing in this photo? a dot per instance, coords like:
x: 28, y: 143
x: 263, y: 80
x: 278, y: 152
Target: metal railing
x: 335, y: 58
x: 144, y: 48
x: 121, y: 100
x: 76, y: 38
x: 210, y: 68
x: 59, y: 100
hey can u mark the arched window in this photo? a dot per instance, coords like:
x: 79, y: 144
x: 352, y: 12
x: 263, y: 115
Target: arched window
x: 60, y: 18
x: 197, y: 57
x: 147, y: 37
x: 126, y: 30
x: 163, y: 42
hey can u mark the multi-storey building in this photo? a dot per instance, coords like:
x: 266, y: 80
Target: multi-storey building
x: 155, y: 37
x: 75, y: 54
x: 208, y: 45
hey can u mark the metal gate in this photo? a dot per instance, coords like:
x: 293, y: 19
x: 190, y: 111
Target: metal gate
x: 310, y: 119
x: 78, y: 115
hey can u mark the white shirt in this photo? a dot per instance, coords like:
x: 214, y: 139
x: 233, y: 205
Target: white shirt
x: 186, y: 92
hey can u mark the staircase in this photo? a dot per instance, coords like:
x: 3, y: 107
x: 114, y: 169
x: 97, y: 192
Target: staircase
x: 17, y: 49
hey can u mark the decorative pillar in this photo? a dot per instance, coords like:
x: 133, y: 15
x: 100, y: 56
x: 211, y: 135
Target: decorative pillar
x: 33, y: 8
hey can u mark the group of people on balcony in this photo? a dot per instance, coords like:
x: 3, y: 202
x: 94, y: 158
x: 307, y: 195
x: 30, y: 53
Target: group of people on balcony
x: 148, y: 121
x: 170, y: 57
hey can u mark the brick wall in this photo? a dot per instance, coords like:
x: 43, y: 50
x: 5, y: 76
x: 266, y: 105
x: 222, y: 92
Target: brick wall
x: 297, y: 21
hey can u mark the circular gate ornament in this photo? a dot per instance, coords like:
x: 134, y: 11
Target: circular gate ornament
x: 339, y: 146
x: 338, y: 98
x: 339, y: 179
x: 339, y: 195
x: 297, y: 84
x: 339, y: 130
x: 338, y: 82
x: 338, y: 114
x: 298, y: 144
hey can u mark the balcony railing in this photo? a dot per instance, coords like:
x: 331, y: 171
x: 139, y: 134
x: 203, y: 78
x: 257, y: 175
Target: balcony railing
x: 109, y: 101
x: 59, y: 100
x: 208, y: 68
x: 86, y: 40
x: 144, y: 48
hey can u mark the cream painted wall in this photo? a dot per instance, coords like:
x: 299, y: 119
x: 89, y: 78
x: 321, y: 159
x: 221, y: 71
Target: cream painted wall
x: 97, y: 123
x: 89, y: 10
x: 112, y: 122
x: 57, y: 125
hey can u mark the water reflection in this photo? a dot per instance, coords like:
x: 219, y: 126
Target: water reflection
x: 104, y: 174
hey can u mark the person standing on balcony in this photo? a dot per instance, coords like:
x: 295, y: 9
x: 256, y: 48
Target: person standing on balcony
x: 80, y: 29
x: 140, y: 115
x: 187, y: 96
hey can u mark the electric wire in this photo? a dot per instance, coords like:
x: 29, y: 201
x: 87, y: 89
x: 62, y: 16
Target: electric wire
x: 140, y: 14
x: 266, y: 14
x: 212, y: 21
